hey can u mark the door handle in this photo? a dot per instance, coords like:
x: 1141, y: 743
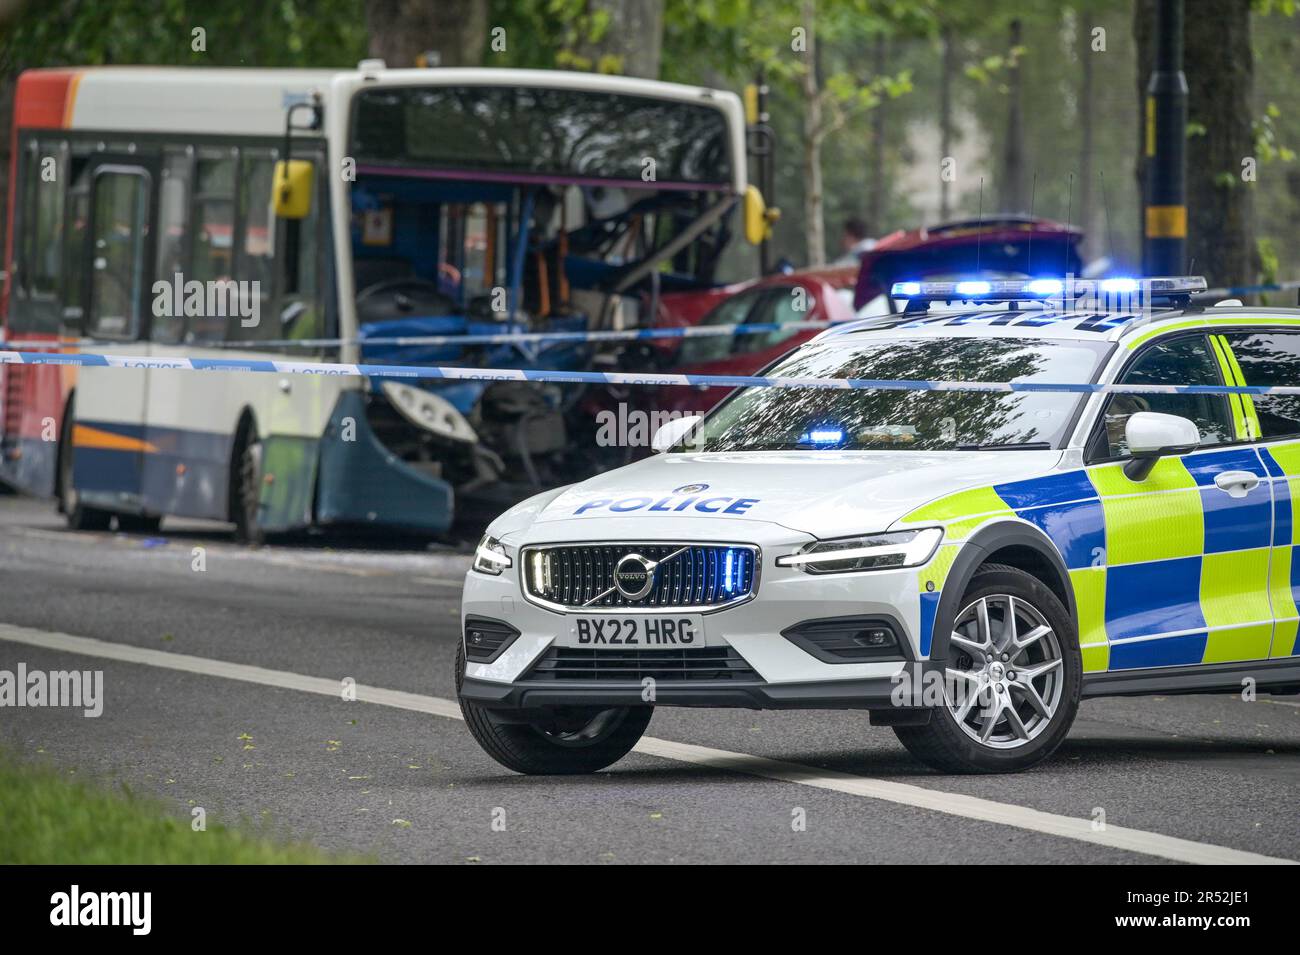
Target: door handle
x: 1237, y: 483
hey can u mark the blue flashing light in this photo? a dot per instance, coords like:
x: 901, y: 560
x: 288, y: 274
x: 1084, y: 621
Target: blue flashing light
x: 1120, y: 286
x: 1070, y: 288
x: 824, y: 436
x: 1045, y: 287
x: 728, y: 575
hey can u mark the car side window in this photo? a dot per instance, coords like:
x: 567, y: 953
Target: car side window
x: 1187, y: 360
x: 783, y: 306
x: 716, y: 347
x: 1271, y: 358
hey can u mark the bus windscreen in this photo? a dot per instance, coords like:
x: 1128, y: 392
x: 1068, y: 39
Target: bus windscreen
x: 539, y: 133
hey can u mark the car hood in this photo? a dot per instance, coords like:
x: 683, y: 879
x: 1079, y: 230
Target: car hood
x: 822, y: 493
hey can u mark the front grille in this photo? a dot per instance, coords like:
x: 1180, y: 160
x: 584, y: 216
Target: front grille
x: 581, y: 576
x: 579, y: 664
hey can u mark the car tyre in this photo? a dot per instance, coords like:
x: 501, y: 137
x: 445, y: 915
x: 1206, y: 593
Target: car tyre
x: 567, y: 741
x: 951, y: 741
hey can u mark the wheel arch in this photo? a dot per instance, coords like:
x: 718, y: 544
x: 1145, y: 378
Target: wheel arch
x: 1014, y: 543
x: 65, y: 424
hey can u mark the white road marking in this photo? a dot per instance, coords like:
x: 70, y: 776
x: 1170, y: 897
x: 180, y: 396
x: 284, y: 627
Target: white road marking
x: 1282, y: 702
x: 953, y: 804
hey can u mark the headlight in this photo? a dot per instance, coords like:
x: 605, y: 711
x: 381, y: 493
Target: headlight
x: 490, y: 556
x: 869, y: 552
x: 426, y: 410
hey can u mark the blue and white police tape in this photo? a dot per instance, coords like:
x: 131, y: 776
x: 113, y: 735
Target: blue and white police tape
x: 462, y: 373
x: 496, y: 338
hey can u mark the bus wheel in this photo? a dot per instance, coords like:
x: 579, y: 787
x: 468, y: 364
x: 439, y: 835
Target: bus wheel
x: 79, y: 516
x: 247, y: 502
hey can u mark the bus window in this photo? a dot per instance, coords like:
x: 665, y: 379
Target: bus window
x: 74, y: 246
x: 173, y: 209
x: 46, y: 180
x: 214, y: 232
x: 120, y: 228
x: 255, y: 251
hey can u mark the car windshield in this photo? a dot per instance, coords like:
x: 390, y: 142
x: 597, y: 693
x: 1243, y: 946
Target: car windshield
x: 781, y: 419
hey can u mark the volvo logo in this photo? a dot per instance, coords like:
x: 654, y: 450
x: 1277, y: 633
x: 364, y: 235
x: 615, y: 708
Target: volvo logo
x: 690, y: 489
x: 634, y: 576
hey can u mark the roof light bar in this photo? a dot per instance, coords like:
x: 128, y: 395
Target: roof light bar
x: 1069, y: 288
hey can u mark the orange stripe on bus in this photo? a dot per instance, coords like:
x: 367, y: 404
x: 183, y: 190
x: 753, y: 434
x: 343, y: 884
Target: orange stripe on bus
x: 84, y: 436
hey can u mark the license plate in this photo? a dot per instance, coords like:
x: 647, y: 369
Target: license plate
x: 634, y: 631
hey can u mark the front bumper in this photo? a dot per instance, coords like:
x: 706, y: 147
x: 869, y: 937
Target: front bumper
x: 785, y: 675
x: 870, y: 693
x: 361, y: 483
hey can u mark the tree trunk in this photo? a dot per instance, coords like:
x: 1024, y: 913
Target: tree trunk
x: 947, y: 70
x: 879, y: 129
x: 814, y: 223
x: 7, y: 86
x: 1144, y: 40
x: 1013, y: 155
x: 1087, y: 220
x: 401, y: 30
x: 633, y: 40
x: 1220, y: 79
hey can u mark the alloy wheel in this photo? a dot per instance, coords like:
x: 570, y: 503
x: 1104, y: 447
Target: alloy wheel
x: 1005, y: 679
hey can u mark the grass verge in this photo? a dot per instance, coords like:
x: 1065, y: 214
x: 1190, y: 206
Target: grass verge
x: 47, y: 818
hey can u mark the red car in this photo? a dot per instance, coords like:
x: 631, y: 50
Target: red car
x: 1008, y: 246
x: 812, y: 295
x: 1002, y: 247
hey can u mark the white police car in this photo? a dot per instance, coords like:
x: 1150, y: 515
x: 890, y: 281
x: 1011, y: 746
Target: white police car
x: 964, y: 564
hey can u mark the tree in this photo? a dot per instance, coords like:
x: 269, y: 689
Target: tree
x: 1220, y: 201
x: 1013, y: 143
x: 1085, y: 111
x: 947, y: 75
x: 618, y: 36
x: 403, y: 31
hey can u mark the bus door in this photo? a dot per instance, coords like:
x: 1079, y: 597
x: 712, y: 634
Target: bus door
x: 108, y: 433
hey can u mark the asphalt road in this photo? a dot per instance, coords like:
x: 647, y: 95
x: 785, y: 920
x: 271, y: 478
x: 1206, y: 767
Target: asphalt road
x: 271, y: 743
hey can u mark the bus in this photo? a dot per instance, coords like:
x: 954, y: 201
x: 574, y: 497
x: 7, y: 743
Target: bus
x: 250, y: 214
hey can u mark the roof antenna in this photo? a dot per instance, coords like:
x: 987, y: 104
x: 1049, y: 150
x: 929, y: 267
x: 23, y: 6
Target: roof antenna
x: 979, y: 227
x: 1033, y: 193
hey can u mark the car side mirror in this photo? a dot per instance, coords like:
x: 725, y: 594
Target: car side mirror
x: 1151, y: 436
x: 673, y: 431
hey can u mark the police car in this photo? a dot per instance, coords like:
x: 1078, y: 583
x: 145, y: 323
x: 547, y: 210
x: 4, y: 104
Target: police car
x: 964, y: 558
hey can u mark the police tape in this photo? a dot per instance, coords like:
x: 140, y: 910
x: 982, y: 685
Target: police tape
x: 462, y: 373
x: 495, y: 338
